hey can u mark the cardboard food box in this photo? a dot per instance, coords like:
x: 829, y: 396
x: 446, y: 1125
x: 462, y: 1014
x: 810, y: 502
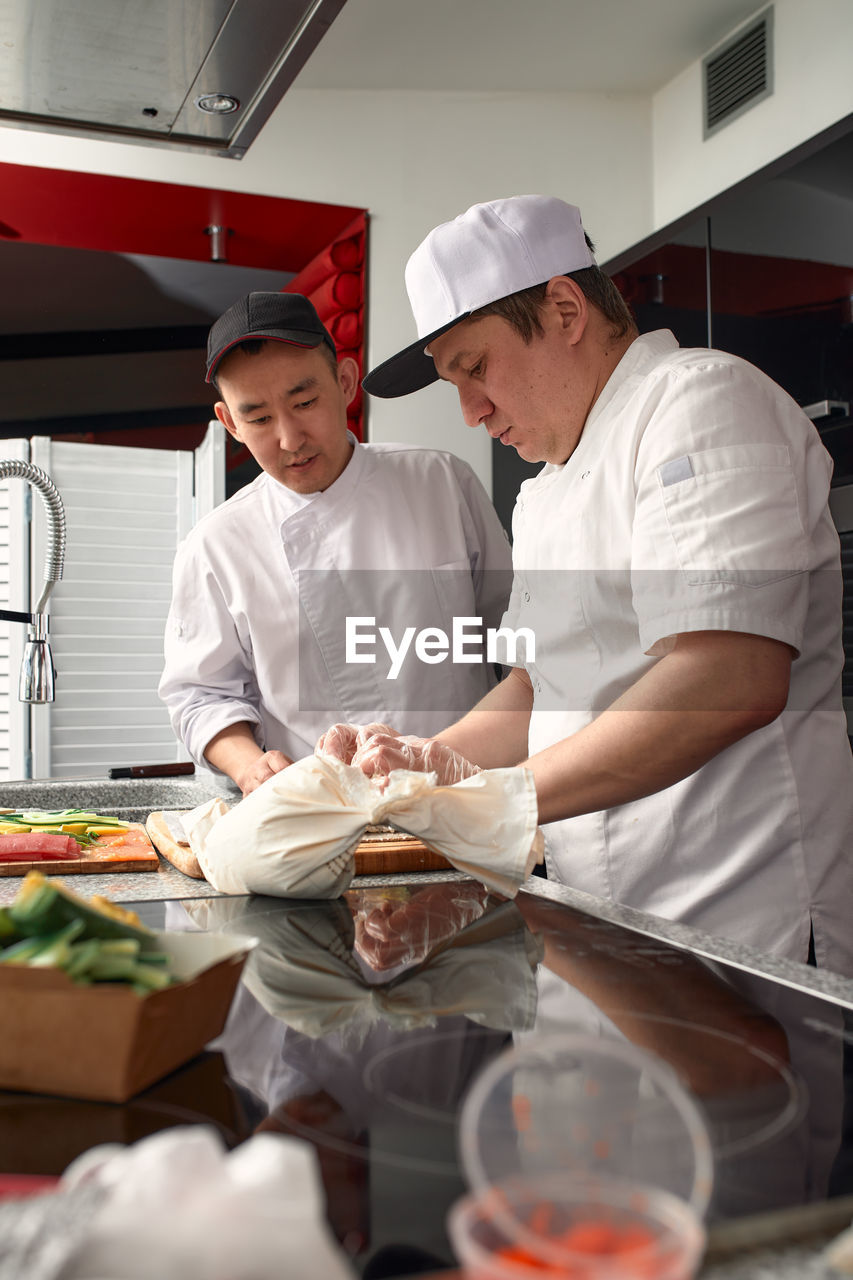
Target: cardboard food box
x: 104, y: 1042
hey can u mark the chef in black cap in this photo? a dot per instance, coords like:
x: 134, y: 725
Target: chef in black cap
x: 271, y: 587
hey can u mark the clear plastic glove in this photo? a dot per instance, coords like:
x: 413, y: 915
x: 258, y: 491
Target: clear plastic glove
x: 342, y: 741
x: 381, y: 753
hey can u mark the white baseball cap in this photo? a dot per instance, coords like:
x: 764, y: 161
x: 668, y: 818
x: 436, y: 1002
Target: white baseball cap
x: 488, y: 252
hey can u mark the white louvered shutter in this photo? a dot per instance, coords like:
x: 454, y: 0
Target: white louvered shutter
x: 126, y: 510
x: 14, y: 594
x: 210, y: 469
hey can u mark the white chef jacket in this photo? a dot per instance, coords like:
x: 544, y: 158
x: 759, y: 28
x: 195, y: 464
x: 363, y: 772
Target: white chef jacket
x: 696, y: 499
x: 262, y: 587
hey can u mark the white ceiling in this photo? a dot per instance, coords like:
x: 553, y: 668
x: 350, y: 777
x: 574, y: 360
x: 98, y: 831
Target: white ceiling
x: 443, y: 45
x: 614, y: 46
x: 446, y: 46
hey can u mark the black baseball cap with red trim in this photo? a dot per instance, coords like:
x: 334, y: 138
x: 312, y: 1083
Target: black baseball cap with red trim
x: 281, y: 317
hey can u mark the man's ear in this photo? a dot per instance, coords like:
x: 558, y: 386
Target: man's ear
x: 568, y: 302
x: 348, y: 378
x: 223, y: 414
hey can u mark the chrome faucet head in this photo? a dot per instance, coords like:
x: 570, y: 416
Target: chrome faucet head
x: 38, y: 674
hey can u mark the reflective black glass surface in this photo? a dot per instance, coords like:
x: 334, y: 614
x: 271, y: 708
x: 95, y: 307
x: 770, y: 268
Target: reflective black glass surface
x: 360, y: 1024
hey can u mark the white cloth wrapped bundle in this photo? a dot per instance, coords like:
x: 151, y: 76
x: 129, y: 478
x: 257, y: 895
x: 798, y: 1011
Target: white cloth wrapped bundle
x: 295, y: 835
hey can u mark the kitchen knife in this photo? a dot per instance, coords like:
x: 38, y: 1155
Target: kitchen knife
x: 153, y: 770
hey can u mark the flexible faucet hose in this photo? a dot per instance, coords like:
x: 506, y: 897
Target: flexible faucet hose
x: 55, y: 557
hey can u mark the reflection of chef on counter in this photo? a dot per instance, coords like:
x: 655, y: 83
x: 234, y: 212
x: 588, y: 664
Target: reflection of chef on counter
x: 401, y: 957
x: 365, y: 1048
x: 770, y: 1088
x: 336, y: 995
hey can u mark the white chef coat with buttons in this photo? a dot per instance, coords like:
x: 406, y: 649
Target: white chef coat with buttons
x: 696, y: 499
x: 263, y: 585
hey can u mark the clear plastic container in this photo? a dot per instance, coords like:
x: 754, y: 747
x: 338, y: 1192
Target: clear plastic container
x: 584, y: 1105
x: 576, y: 1230
x: 571, y: 1131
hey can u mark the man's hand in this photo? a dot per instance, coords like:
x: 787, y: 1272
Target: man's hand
x: 234, y: 751
x: 342, y: 741
x: 265, y: 766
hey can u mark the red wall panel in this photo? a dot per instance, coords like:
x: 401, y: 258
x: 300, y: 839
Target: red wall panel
x: 334, y: 281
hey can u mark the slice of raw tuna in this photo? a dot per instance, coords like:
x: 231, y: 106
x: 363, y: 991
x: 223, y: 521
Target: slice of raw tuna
x: 37, y: 845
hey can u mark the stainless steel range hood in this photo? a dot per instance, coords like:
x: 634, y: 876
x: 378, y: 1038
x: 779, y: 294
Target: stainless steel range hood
x: 137, y: 70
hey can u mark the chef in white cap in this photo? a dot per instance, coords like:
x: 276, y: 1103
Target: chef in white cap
x: 676, y: 565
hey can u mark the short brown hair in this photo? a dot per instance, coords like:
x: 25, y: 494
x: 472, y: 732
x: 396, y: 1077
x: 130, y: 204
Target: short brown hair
x: 251, y: 346
x: 522, y: 310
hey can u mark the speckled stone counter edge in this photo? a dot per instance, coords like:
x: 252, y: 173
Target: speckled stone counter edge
x: 169, y: 883
x: 141, y: 796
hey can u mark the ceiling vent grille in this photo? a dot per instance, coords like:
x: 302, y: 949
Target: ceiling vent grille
x: 739, y: 73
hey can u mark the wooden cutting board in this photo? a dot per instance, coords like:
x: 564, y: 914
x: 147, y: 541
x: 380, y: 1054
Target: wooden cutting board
x: 94, y: 861
x: 381, y: 852
x: 177, y: 852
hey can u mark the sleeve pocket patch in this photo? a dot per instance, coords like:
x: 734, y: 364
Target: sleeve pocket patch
x: 674, y: 470
x: 734, y: 515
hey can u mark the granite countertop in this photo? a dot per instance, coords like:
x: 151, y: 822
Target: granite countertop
x: 133, y: 799
x: 120, y: 796
x: 169, y: 884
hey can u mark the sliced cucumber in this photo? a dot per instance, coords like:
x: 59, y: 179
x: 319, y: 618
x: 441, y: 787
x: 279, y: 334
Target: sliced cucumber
x: 52, y: 950
x: 44, y: 906
x: 96, y: 941
x: 57, y: 951
x: 9, y: 932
